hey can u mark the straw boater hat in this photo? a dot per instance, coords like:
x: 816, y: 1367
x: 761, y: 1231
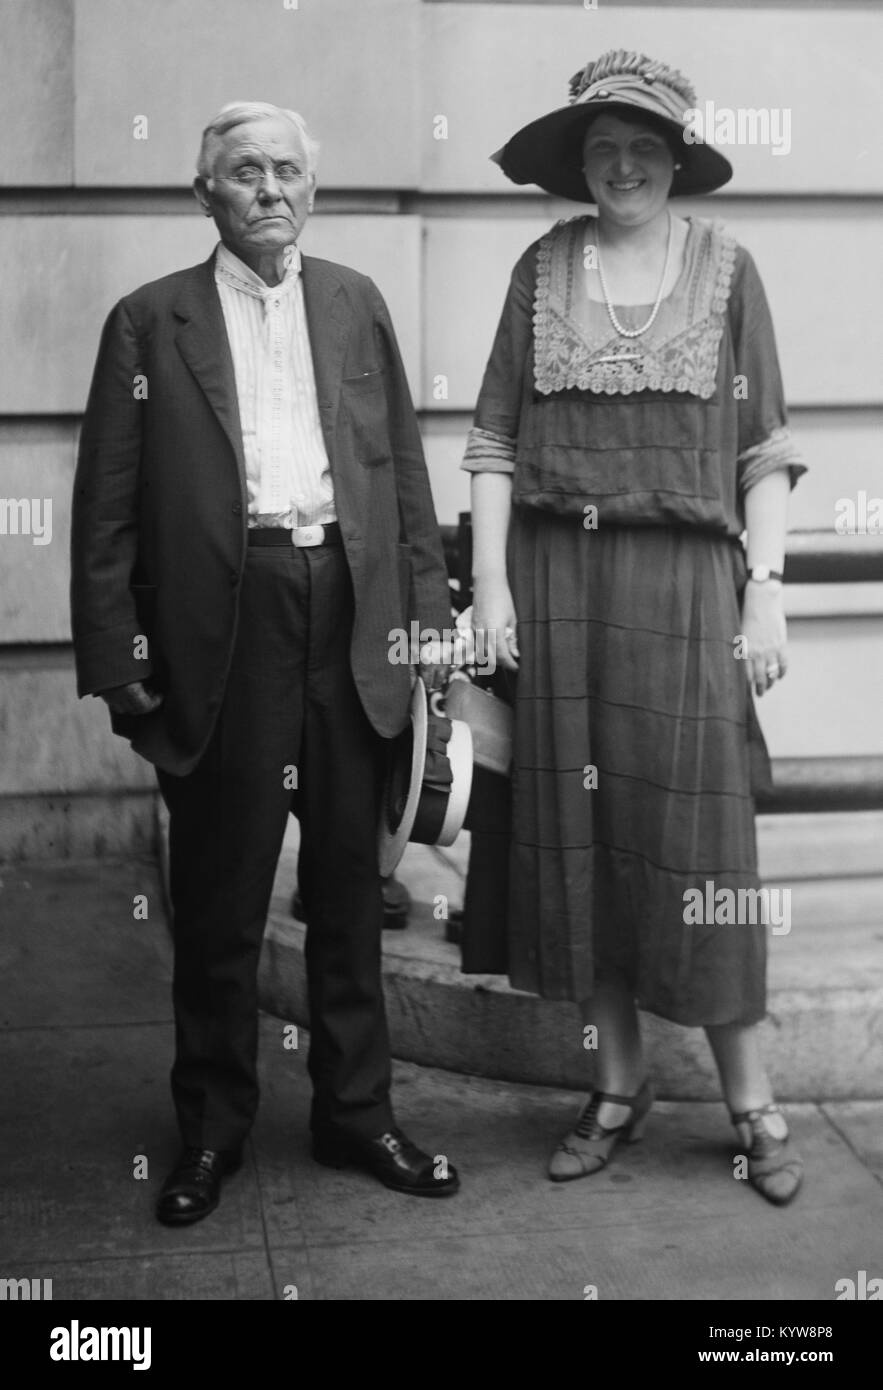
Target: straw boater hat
x: 426, y: 793
x: 549, y: 151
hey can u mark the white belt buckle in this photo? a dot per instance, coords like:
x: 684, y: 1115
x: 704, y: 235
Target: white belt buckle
x: 307, y: 535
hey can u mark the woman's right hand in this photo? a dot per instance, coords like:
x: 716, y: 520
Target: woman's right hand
x: 494, y: 623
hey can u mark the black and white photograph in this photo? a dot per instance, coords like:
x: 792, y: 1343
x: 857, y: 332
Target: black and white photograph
x: 441, y: 667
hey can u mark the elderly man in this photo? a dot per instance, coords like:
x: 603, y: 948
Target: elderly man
x: 252, y: 519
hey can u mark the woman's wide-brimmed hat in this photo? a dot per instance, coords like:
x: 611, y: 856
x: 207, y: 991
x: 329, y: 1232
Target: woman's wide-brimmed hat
x: 426, y: 794
x: 548, y: 152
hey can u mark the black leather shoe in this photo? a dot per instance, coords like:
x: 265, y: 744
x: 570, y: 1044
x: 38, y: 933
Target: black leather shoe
x: 392, y: 1159
x: 193, y: 1188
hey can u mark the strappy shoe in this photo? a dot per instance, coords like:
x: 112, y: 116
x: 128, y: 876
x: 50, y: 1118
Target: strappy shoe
x: 774, y: 1168
x: 588, y: 1146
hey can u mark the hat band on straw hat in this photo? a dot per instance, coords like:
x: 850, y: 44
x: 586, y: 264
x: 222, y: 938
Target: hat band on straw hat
x: 429, y: 779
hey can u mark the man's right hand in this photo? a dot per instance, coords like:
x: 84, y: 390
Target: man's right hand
x: 131, y: 699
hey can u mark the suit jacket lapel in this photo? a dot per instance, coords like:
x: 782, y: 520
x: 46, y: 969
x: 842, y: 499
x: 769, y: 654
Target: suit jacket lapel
x: 203, y: 343
x: 328, y: 323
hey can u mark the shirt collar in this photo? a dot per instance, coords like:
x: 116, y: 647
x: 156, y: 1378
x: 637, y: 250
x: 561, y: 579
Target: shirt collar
x: 235, y: 273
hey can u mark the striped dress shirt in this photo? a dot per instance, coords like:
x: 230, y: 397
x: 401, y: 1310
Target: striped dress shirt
x: 286, y: 464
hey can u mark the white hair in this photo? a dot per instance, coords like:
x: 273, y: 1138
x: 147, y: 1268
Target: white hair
x: 239, y: 113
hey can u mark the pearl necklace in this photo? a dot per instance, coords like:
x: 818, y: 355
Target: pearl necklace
x: 611, y: 312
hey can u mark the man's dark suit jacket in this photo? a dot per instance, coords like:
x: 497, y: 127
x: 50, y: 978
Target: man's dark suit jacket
x: 160, y: 509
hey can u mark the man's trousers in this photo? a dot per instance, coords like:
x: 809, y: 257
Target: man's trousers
x: 290, y: 717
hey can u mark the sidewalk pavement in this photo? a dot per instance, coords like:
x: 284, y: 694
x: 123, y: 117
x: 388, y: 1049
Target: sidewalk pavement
x: 87, y: 1033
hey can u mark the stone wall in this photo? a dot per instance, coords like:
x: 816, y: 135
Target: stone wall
x: 88, y: 211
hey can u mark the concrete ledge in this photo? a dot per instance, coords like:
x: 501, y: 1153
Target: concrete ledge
x: 821, y: 1039
x: 823, y: 1036
x: 77, y: 825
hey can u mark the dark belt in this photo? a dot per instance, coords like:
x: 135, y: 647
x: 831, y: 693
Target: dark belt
x: 302, y: 537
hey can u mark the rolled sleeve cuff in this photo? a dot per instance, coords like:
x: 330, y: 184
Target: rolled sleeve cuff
x: 487, y: 452
x: 778, y: 451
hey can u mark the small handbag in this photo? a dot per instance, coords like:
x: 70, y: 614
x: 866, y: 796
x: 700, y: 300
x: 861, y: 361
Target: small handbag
x: 489, y: 718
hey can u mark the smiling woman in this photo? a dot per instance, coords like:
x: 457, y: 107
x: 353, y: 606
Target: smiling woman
x: 627, y: 149
x: 628, y: 164
x: 615, y: 389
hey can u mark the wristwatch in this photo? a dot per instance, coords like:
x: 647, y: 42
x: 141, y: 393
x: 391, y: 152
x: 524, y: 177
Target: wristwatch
x: 761, y: 574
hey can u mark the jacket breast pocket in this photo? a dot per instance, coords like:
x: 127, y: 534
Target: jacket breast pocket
x: 364, y: 400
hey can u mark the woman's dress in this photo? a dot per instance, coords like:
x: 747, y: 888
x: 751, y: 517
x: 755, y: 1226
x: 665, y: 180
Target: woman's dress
x: 637, y: 749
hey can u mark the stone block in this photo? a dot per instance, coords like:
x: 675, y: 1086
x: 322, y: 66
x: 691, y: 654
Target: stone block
x: 348, y: 68
x: 75, y: 268
x: 824, y: 362
x: 37, y: 476
x: 492, y: 68
x: 55, y: 743
x: 37, y: 93
x: 39, y: 826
